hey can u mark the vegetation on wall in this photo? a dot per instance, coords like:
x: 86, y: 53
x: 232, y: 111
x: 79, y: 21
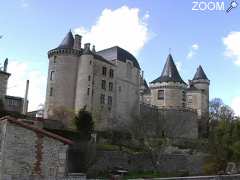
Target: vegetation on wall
x: 84, y: 123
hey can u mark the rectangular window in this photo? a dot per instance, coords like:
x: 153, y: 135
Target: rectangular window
x: 110, y: 86
x: 51, y: 91
x: 110, y: 100
x: 111, y: 73
x: 88, y: 91
x: 184, y: 96
x: 54, y: 59
x: 104, y: 71
x: 102, y: 99
x: 190, y: 99
x: 89, y: 78
x: 160, y: 94
x: 103, y: 84
x: 52, y: 75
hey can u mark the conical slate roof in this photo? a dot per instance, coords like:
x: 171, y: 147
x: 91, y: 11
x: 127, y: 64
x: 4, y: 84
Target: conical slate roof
x: 200, y: 74
x: 68, y: 41
x: 169, y: 73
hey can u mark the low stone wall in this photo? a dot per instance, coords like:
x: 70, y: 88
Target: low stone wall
x: 167, y: 163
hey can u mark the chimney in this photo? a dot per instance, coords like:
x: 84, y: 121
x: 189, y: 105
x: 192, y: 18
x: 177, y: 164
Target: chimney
x: 77, y: 42
x: 86, y: 48
x: 25, y: 104
x: 93, y: 49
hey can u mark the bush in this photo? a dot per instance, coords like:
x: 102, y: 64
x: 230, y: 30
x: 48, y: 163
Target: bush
x: 84, y: 123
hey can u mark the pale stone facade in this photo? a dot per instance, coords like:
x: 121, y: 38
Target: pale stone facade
x: 106, y: 82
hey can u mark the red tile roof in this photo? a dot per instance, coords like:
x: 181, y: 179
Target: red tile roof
x: 37, y: 130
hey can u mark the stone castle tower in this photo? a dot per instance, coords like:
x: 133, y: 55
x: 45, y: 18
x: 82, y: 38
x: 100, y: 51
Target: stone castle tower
x: 106, y: 82
x: 169, y: 91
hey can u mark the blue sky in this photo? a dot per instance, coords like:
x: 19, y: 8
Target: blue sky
x: 147, y: 28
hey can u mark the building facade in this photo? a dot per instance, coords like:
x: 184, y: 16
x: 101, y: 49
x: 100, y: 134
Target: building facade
x: 109, y: 84
x: 9, y: 103
x: 105, y: 82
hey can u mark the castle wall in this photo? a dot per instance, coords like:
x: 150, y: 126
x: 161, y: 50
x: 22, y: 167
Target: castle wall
x: 63, y: 83
x: 170, y: 122
x: 103, y: 112
x: 127, y: 92
x: 24, y: 153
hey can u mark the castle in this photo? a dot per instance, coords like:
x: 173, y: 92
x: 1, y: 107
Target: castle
x: 109, y: 83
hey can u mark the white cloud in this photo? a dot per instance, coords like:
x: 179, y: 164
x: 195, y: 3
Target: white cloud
x: 20, y: 73
x: 123, y: 27
x: 179, y: 65
x: 232, y: 44
x: 193, y: 50
x: 236, y: 105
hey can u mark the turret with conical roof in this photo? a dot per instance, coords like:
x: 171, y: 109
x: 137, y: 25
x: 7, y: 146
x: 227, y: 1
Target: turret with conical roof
x: 68, y: 41
x: 169, y: 73
x: 200, y: 74
x: 62, y: 72
x: 199, y: 91
x: 168, y: 90
x: 200, y: 80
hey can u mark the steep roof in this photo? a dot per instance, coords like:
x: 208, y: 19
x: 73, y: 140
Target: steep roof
x: 120, y: 54
x: 68, y: 41
x: 200, y: 74
x: 169, y: 73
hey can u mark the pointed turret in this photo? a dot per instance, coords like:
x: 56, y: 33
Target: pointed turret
x: 68, y: 41
x: 200, y: 74
x: 169, y: 73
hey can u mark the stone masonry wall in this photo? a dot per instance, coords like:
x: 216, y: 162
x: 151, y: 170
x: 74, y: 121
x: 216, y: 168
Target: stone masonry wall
x: 174, y: 123
x: 25, y: 153
x: 167, y: 163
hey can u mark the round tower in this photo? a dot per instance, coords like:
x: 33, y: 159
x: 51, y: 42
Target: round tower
x: 201, y: 82
x: 85, y: 80
x: 169, y: 90
x: 62, y: 75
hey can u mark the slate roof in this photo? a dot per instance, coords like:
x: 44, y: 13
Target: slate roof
x: 68, y: 41
x: 169, y: 73
x: 200, y: 74
x: 120, y: 54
